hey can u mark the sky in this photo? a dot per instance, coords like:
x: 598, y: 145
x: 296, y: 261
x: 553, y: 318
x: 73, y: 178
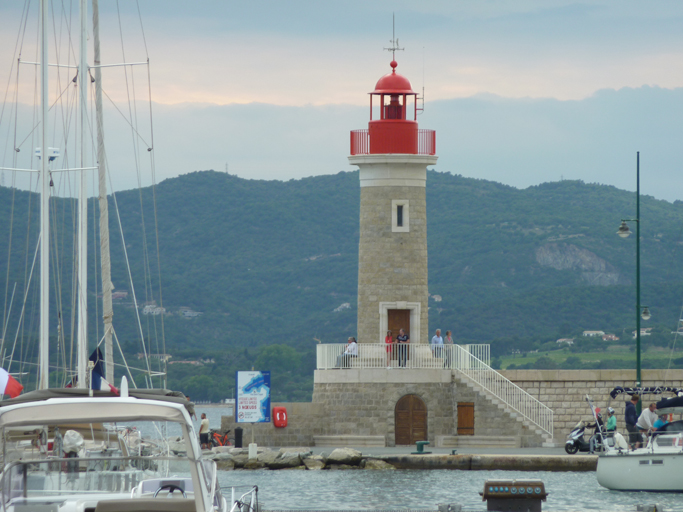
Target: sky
x: 520, y: 92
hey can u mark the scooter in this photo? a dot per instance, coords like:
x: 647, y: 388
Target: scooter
x: 577, y: 443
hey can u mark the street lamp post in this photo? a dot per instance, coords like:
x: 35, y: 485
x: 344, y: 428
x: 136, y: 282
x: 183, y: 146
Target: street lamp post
x: 641, y: 311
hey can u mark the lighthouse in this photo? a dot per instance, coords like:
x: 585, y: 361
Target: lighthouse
x: 392, y: 156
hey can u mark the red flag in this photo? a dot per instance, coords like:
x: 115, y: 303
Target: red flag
x: 9, y: 385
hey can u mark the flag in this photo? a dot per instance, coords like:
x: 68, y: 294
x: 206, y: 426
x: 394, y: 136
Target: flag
x: 98, y: 382
x: 9, y: 385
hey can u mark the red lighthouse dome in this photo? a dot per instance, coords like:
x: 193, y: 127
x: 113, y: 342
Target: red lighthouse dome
x: 393, y: 132
x: 393, y: 83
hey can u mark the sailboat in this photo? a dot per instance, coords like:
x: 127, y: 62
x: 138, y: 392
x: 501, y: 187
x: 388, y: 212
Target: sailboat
x: 89, y: 449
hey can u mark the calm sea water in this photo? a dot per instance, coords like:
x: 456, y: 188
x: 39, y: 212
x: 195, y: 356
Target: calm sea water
x: 423, y: 489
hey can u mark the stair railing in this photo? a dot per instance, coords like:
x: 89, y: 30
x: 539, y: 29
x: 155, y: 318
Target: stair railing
x: 504, y: 389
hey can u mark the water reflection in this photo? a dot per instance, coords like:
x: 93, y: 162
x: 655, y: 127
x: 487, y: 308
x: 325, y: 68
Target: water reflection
x: 425, y: 489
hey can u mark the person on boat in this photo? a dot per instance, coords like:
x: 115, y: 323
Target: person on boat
x: 631, y: 418
x: 343, y: 360
x: 389, y: 341
x: 402, y: 339
x: 204, y: 433
x: 611, y: 422
x: 599, y: 427
x: 646, y: 420
x: 661, y: 421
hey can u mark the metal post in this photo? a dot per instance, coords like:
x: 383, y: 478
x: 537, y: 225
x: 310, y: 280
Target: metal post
x: 638, y: 376
x: 44, y: 358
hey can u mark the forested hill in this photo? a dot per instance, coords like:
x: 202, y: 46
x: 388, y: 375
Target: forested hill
x: 270, y: 262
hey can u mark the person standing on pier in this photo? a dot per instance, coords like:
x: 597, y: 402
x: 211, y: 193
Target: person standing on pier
x: 204, y: 433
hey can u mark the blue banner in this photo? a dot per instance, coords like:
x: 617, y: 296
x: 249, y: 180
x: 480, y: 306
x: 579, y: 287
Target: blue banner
x: 252, y: 397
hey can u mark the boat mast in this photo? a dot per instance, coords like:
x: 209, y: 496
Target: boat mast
x: 44, y: 369
x: 82, y: 287
x: 107, y: 309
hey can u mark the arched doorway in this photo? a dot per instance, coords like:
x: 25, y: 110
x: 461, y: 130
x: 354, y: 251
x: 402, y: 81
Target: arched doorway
x: 410, y: 420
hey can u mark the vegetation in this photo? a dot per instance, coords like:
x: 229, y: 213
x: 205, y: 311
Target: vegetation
x: 268, y: 262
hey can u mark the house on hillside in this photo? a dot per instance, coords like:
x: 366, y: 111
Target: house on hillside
x: 610, y: 337
x: 119, y: 295
x: 644, y: 331
x: 150, y: 309
x: 186, y: 312
x: 565, y: 341
x: 593, y: 333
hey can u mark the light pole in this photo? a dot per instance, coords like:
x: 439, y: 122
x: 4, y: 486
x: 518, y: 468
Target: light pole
x: 624, y: 232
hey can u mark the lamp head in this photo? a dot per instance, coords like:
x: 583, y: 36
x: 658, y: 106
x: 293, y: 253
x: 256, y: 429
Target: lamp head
x: 645, y: 315
x: 623, y: 230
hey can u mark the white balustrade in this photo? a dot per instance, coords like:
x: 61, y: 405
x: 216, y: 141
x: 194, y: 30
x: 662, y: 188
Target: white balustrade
x: 470, y: 360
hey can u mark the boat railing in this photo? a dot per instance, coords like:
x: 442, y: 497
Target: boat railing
x: 242, y: 501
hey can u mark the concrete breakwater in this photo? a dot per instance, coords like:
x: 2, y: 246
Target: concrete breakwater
x: 347, y: 458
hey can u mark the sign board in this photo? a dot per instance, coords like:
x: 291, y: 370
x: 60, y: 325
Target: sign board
x: 252, y: 390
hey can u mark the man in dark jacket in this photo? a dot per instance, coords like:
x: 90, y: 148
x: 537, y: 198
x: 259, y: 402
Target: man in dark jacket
x: 631, y: 418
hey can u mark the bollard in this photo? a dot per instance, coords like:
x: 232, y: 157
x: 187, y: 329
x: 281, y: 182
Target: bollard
x: 420, y: 448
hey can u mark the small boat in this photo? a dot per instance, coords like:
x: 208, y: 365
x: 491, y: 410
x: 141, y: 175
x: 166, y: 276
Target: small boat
x: 656, y: 467
x: 104, y: 469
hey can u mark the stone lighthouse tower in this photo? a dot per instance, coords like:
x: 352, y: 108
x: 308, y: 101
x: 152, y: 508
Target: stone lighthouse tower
x: 392, y: 156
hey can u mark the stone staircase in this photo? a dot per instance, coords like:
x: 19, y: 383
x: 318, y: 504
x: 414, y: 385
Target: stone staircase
x: 500, y: 425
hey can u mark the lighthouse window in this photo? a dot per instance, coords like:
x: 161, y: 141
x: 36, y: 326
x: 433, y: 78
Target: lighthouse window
x: 400, y: 216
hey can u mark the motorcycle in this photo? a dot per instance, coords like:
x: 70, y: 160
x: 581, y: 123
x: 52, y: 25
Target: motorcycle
x: 577, y: 443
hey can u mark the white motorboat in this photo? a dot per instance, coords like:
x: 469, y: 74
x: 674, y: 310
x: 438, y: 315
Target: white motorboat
x: 656, y: 467
x: 104, y: 473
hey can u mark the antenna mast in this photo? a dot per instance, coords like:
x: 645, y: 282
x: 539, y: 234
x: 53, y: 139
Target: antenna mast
x: 394, y: 42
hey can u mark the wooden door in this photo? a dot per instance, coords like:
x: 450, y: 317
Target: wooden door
x: 410, y: 420
x: 466, y: 419
x: 398, y: 319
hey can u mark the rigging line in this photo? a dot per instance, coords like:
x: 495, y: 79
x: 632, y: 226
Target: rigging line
x: 142, y: 30
x: 17, y: 51
x: 123, y: 116
x: 154, y: 199
x: 130, y: 276
x: 95, y: 244
x: 137, y: 164
x: 23, y: 306
x: 4, y: 327
x: 36, y: 125
x: 123, y: 357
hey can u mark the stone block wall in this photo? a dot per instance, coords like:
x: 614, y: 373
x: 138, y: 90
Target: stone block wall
x: 392, y: 266
x: 304, y: 420
x: 367, y: 409
x: 564, y: 391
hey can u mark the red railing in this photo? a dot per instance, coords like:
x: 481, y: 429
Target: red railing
x: 360, y: 142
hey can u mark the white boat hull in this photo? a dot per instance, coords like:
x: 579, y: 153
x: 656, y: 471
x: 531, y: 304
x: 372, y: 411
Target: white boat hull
x: 641, y: 470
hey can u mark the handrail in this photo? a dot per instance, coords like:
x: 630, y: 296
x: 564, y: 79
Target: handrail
x: 376, y: 355
x: 360, y: 142
x: 502, y: 388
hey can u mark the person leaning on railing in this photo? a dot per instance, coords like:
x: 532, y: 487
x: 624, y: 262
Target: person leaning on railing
x: 448, y: 340
x: 402, y: 339
x: 343, y: 360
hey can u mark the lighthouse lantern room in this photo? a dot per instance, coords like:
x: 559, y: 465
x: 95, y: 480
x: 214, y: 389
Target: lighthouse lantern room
x: 393, y: 132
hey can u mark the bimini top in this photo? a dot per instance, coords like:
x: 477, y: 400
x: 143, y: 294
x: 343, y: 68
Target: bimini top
x: 393, y: 83
x: 54, y: 405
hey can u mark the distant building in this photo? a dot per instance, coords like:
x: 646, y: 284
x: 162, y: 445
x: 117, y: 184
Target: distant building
x: 344, y: 306
x: 150, y: 309
x: 119, y: 295
x: 610, y: 337
x: 593, y: 333
x: 565, y: 341
x: 437, y: 298
x: 644, y: 331
x: 161, y: 357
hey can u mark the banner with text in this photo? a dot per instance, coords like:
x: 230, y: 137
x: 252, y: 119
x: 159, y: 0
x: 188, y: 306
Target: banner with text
x: 252, y: 391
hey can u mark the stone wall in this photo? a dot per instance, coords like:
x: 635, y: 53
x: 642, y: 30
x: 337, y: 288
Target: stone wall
x: 392, y: 266
x: 564, y: 391
x: 304, y: 420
